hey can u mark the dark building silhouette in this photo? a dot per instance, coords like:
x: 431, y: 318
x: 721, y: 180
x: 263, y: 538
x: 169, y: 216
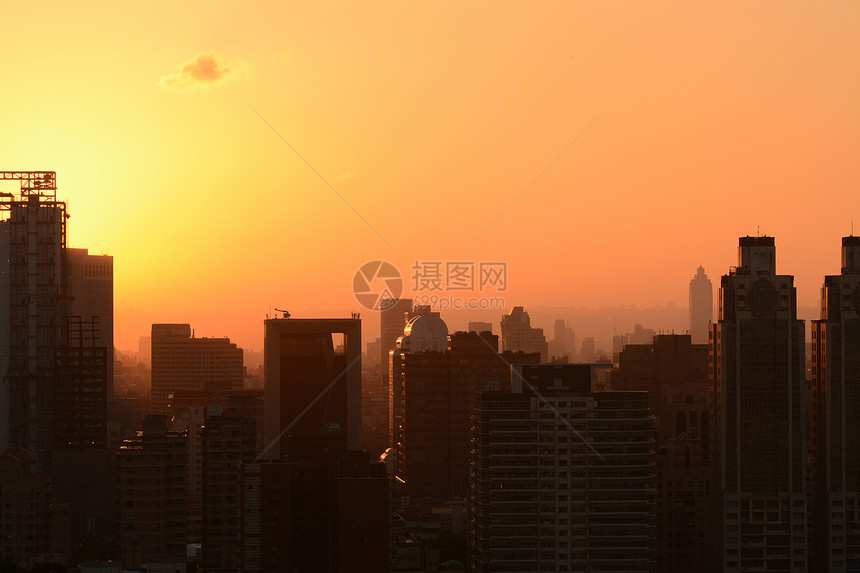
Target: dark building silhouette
x: 438, y: 390
x: 423, y: 333
x: 90, y: 294
x: 759, y: 394
x: 674, y: 372
x: 151, y: 494
x: 33, y: 311
x: 227, y: 442
x: 182, y: 362
x: 668, y: 360
x: 309, y: 388
x: 562, y: 478
x: 26, y: 511
x: 316, y: 502
x: 80, y: 397
x: 320, y: 509
x: 701, y: 306
x: 835, y: 418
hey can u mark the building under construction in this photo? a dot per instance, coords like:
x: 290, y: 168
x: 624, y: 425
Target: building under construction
x: 35, y: 306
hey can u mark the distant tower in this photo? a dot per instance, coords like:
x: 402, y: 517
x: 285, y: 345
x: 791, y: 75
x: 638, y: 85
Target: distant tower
x: 519, y: 336
x: 758, y: 381
x: 701, y: 306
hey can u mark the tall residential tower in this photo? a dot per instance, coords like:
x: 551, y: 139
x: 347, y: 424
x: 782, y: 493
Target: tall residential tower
x: 835, y: 412
x: 758, y: 393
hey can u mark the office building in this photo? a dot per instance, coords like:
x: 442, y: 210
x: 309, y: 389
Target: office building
x: 759, y: 395
x: 701, y: 306
x: 311, y: 390
x: 835, y: 413
x: 182, y: 362
x: 562, y: 477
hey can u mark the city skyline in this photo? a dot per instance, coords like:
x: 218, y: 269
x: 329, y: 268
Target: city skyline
x: 444, y: 133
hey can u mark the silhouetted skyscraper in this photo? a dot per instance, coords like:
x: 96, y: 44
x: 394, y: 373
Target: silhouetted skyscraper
x: 835, y: 412
x: 701, y: 306
x: 759, y: 392
x: 310, y: 389
x: 33, y: 311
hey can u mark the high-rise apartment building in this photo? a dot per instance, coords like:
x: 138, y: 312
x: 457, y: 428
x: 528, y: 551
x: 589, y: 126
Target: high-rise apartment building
x: 701, y: 306
x: 759, y: 394
x: 835, y: 412
x: 151, y: 493
x: 181, y: 362
x: 227, y: 441
x: 562, y: 476
x: 310, y: 389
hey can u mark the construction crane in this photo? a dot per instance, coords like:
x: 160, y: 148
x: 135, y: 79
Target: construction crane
x: 286, y: 312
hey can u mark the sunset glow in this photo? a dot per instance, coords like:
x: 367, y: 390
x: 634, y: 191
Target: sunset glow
x: 237, y: 158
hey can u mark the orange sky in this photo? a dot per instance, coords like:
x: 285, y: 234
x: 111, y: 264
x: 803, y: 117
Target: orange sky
x: 429, y: 119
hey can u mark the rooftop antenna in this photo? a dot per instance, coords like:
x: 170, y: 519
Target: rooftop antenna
x: 757, y: 231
